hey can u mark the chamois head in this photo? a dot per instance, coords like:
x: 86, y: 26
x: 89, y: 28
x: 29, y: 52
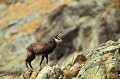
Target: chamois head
x: 57, y: 38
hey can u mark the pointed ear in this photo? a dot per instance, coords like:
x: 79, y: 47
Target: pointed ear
x: 56, y: 35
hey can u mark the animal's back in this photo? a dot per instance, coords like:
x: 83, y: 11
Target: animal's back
x: 41, y: 47
x: 36, y: 47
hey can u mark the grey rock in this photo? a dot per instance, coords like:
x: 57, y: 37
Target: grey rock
x: 50, y: 72
x: 100, y: 63
x: 84, y: 26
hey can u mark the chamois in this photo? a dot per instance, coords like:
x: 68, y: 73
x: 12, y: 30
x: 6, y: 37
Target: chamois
x: 43, y: 48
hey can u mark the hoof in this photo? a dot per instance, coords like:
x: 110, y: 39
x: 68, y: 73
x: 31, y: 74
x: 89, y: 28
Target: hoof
x: 47, y: 65
x: 39, y: 69
x: 30, y: 69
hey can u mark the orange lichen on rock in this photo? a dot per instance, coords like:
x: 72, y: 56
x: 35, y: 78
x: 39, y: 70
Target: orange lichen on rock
x: 52, y: 7
x: 5, y: 21
x: 106, y: 56
x: 17, y: 7
x: 112, y: 76
x: 30, y: 27
x: 111, y: 6
x: 10, y: 38
x: 69, y: 73
x: 107, y: 11
x: 21, y: 10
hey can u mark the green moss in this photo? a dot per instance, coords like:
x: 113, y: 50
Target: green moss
x: 95, y: 73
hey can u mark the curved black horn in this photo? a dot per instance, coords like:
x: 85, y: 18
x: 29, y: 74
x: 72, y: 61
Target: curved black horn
x: 57, y: 33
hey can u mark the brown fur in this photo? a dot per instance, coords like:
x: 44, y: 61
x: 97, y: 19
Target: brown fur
x: 43, y: 48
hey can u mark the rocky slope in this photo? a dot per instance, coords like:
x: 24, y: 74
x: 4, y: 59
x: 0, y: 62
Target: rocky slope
x: 102, y: 62
x: 84, y: 25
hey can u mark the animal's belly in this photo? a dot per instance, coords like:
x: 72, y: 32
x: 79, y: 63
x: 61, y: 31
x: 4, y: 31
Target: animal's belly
x: 38, y: 52
x: 43, y: 52
x: 46, y: 50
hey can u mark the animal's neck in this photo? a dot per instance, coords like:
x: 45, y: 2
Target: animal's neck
x: 54, y: 42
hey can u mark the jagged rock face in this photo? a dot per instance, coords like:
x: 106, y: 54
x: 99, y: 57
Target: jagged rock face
x: 84, y: 25
x: 102, y: 62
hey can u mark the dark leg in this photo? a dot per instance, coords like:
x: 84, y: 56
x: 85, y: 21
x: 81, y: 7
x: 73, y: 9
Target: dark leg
x: 46, y: 56
x: 29, y: 59
x: 26, y: 63
x: 32, y: 57
x: 30, y: 64
x: 41, y: 60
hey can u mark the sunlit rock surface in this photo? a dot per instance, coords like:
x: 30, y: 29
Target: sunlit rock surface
x: 100, y: 63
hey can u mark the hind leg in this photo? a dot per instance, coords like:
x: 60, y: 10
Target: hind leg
x: 46, y: 56
x: 26, y: 63
x: 32, y: 57
x: 29, y: 59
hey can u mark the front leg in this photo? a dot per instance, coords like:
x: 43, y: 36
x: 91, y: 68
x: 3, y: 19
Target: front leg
x: 41, y: 60
x: 46, y: 56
